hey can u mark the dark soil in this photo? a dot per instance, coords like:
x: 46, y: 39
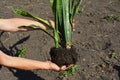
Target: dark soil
x: 95, y: 39
x: 62, y: 56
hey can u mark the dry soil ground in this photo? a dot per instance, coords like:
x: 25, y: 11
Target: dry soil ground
x: 95, y: 39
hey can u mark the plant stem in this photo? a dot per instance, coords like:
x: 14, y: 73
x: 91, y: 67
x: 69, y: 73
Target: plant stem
x: 56, y: 35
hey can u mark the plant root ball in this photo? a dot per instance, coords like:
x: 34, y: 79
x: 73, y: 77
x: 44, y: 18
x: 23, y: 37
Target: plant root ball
x: 62, y: 56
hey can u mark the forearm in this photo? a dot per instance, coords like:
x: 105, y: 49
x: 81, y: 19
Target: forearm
x: 12, y: 24
x: 22, y: 63
x: 2, y: 23
x: 27, y: 64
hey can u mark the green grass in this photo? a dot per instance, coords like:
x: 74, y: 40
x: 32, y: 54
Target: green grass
x: 71, y: 71
x: 22, y: 52
x: 113, y: 55
x: 112, y: 18
x: 80, y: 10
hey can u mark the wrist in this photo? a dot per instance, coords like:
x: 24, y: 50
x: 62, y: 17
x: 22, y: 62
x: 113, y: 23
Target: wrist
x: 48, y: 65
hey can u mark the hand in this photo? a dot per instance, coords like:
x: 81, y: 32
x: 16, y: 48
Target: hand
x: 53, y: 66
x: 12, y: 24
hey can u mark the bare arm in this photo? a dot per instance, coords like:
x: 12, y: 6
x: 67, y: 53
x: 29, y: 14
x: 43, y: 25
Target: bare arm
x: 26, y: 64
x: 12, y: 24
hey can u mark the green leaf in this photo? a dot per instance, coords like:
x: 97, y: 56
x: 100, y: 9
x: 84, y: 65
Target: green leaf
x: 70, y: 71
x: 118, y: 18
x: 64, y: 12
x: 56, y: 36
x: 67, y: 24
x: 22, y: 52
x: 52, y: 3
x: 80, y: 10
x: 109, y: 18
x: 22, y: 12
x: 37, y: 28
x: 27, y: 14
x: 60, y: 12
x: 114, y: 55
x: 75, y: 7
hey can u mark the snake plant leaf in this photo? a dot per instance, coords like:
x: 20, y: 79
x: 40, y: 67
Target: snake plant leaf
x: 57, y: 7
x: 64, y: 12
x: 75, y: 7
x: 22, y: 12
x: 37, y: 28
x: 52, y: 3
x: 27, y: 14
x: 56, y: 35
x: 60, y: 11
x: 67, y: 25
x: 60, y: 20
x: 55, y: 31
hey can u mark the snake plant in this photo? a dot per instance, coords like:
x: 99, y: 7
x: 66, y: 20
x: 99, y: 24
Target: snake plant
x: 64, y: 12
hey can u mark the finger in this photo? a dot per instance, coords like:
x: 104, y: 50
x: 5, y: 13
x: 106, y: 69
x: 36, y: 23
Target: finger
x: 52, y: 23
x: 63, y: 68
x: 73, y: 25
x: 70, y: 66
x: 56, y: 68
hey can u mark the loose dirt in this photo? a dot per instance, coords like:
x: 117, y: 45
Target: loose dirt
x: 95, y: 40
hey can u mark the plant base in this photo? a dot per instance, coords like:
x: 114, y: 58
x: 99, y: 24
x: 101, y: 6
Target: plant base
x: 62, y: 56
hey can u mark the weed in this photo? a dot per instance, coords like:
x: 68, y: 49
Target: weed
x: 70, y: 71
x: 118, y: 18
x: 81, y: 10
x: 22, y: 52
x: 113, y: 55
x: 112, y: 18
x: 109, y: 18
